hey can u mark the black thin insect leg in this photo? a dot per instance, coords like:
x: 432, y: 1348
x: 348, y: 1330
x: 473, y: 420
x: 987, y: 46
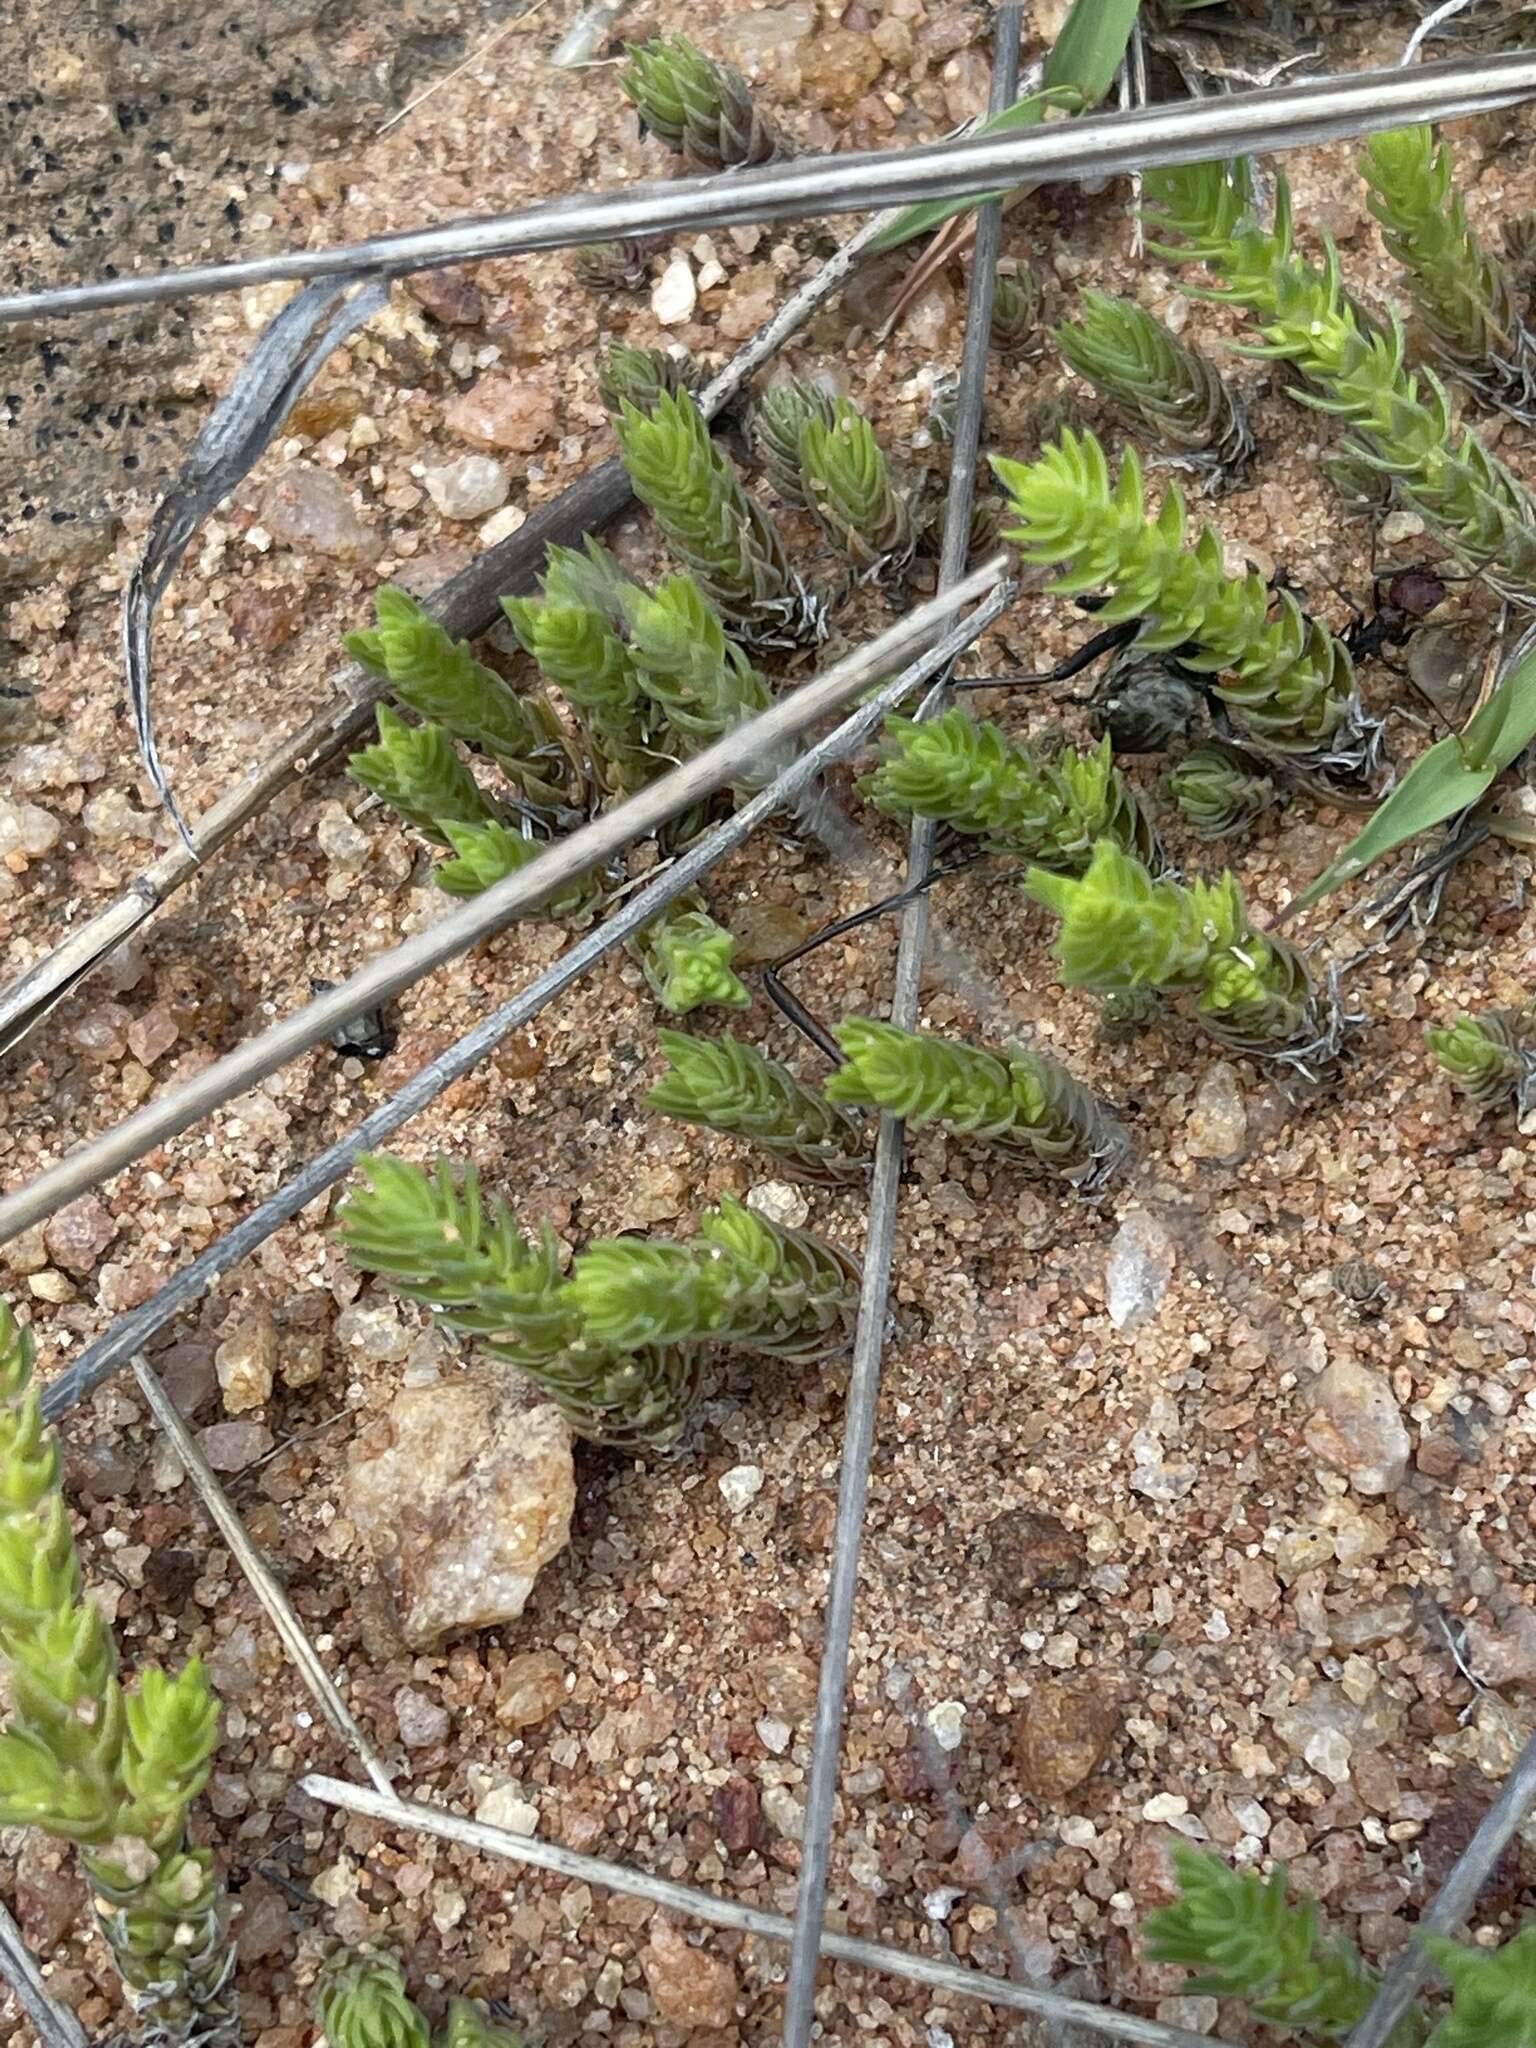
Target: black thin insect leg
x: 1110, y: 641
x: 789, y: 1005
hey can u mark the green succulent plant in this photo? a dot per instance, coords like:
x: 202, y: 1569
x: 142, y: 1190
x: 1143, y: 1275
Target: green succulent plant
x: 722, y: 537
x: 687, y: 959
x: 1216, y: 794
x: 778, y: 419
x: 641, y: 377
x: 698, y: 679
x: 613, y: 1347
x: 1051, y: 809
x: 698, y: 106
x: 1491, y: 1057
x: 1284, y: 676
x: 574, y: 640
x: 1243, y: 1938
x: 1494, y: 1993
x: 1122, y: 930
x: 1158, y: 384
x: 847, y: 485
x: 1402, y: 422
x: 731, y: 1087
x: 114, y: 1771
x: 743, y: 1281
x: 1018, y: 1099
x: 487, y: 853
x: 438, y: 677
x: 418, y: 771
x: 621, y: 266
x: 360, y: 2001
x: 1016, y: 310
x: 1462, y: 292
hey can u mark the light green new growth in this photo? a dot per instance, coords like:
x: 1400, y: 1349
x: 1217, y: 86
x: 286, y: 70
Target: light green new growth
x: 974, y: 778
x: 847, y: 484
x: 778, y: 419
x: 1244, y: 1939
x: 468, y: 2025
x: 699, y: 680
x: 1286, y: 676
x: 1016, y: 310
x: 1216, y: 795
x: 570, y: 632
x: 114, y: 1772
x: 731, y: 1087
x: 687, y: 959
x: 742, y: 1281
x: 1494, y: 2003
x: 620, y: 266
x: 640, y: 377
x: 420, y: 774
x: 438, y: 677
x: 1156, y: 383
x: 488, y: 853
x: 1121, y: 930
x: 1462, y: 292
x: 1491, y: 1056
x: 720, y: 535
x: 1403, y: 422
x: 360, y: 2001
x: 1019, y: 1100
x: 698, y: 106
x: 623, y: 1365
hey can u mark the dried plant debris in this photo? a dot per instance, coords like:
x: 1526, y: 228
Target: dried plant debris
x: 1287, y: 680
x: 1402, y: 421
x: 1124, y: 930
x: 1463, y: 293
x: 1491, y: 1057
x: 1019, y: 1100
x: 621, y: 1346
x: 698, y: 106
x: 1159, y: 386
x: 731, y: 1087
x: 116, y: 1771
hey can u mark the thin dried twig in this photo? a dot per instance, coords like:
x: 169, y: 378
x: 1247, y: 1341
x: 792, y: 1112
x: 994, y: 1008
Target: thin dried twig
x: 1273, y: 118
x: 466, y: 604
x: 271, y: 1595
x: 885, y: 1187
x: 99, y: 1360
x: 56, y: 2027
x: 869, y: 1955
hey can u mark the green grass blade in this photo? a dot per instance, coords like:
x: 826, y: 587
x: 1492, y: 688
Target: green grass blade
x: 1079, y: 71
x: 1499, y: 734
x: 1437, y: 787
x: 1091, y: 46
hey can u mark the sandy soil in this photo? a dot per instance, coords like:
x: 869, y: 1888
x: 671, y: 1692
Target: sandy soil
x: 1062, y: 1513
